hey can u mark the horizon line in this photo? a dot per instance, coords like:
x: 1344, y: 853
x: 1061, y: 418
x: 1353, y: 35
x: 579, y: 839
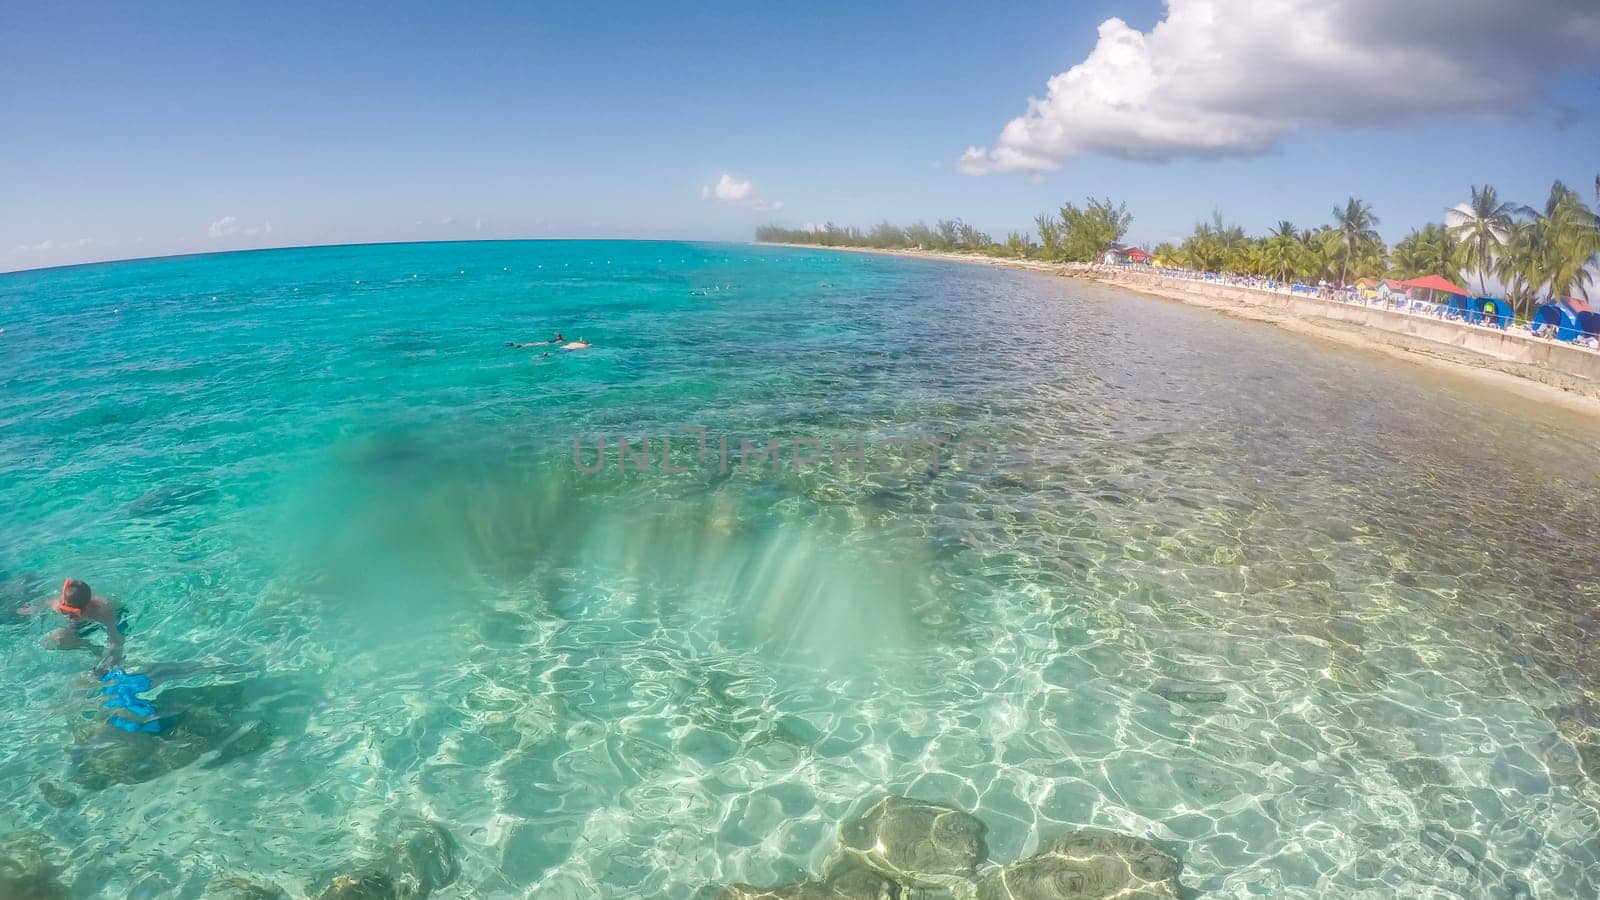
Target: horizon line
x: 197, y: 253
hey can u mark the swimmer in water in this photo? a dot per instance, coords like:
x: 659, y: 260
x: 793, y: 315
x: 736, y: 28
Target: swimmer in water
x: 579, y: 344
x: 558, y: 339
x: 85, y: 612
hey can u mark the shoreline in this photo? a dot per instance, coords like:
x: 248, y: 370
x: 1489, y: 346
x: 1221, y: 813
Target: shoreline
x: 1565, y: 390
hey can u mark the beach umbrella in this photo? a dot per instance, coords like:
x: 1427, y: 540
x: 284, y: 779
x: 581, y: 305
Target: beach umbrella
x: 1433, y: 283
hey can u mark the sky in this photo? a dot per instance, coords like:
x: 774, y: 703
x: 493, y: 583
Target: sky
x: 133, y: 130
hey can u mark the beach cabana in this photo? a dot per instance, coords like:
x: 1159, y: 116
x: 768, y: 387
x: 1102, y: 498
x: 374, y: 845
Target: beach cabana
x: 1495, y: 311
x: 1461, y: 307
x: 1589, y: 323
x: 1560, y: 317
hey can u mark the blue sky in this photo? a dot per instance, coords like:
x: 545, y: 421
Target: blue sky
x: 137, y: 130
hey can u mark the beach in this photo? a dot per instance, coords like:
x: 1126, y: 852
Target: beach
x: 1557, y: 387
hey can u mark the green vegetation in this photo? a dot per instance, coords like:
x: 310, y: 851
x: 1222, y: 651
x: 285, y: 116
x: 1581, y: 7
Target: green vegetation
x: 1531, y: 253
x: 1433, y: 250
x: 1070, y: 235
x: 1084, y: 235
x: 951, y: 235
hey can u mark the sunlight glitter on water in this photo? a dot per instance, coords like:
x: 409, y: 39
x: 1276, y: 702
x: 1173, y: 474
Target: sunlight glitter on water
x: 1298, y: 615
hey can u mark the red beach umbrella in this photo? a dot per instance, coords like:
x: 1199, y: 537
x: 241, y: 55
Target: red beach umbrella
x: 1435, y: 283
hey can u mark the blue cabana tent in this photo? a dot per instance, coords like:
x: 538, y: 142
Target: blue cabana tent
x: 1589, y: 323
x: 1495, y: 311
x: 1561, y: 317
x: 1461, y: 308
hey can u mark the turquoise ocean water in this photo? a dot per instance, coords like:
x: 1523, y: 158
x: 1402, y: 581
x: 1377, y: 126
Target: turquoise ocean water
x: 1322, y: 623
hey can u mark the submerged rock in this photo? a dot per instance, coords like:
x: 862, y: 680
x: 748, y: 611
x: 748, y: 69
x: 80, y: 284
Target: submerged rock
x: 236, y: 887
x: 420, y: 860
x: 852, y: 883
x: 915, y: 842
x: 209, y: 726
x: 56, y: 795
x: 1085, y: 865
x: 168, y: 500
x: 1190, y: 692
x: 362, y: 884
x: 26, y: 870
x: 423, y: 861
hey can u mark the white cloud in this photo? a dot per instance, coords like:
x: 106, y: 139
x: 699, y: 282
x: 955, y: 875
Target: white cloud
x: 49, y: 244
x: 726, y: 190
x: 1235, y: 77
x: 730, y: 191
x: 229, y: 227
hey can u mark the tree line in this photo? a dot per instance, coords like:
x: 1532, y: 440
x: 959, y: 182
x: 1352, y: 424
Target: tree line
x: 1072, y: 235
x: 949, y: 235
x: 1531, y: 252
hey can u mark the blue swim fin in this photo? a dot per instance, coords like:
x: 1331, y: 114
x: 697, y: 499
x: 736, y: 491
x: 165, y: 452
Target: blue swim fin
x: 125, y: 683
x: 136, y: 705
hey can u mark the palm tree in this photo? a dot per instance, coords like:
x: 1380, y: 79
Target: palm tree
x: 1201, y: 249
x: 1520, y: 264
x: 1569, y: 240
x: 1281, y: 251
x: 1444, y: 251
x: 1433, y: 250
x: 1481, y: 224
x: 1355, y: 224
x: 1410, y: 256
x: 1319, y: 251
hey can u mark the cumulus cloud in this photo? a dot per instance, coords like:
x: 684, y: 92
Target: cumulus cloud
x: 730, y: 191
x: 229, y: 227
x: 1235, y: 77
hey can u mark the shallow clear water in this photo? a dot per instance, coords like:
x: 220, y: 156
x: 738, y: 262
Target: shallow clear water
x: 1321, y: 622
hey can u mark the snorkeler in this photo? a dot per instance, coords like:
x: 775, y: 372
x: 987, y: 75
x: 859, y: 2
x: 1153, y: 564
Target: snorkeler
x: 84, y: 611
x: 558, y: 339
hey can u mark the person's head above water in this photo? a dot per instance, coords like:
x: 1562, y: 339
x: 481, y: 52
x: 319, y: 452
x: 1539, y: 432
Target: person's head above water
x: 74, y: 599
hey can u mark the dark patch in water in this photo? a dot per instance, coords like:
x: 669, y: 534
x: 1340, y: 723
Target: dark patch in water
x: 1190, y: 692
x: 169, y: 500
x: 211, y: 726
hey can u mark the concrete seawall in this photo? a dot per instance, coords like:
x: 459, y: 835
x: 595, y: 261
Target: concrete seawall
x: 1502, y: 345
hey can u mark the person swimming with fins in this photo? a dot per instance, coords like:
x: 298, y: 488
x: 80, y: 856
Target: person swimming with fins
x: 558, y: 339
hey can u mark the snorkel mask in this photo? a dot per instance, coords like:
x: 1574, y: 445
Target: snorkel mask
x: 64, y: 603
